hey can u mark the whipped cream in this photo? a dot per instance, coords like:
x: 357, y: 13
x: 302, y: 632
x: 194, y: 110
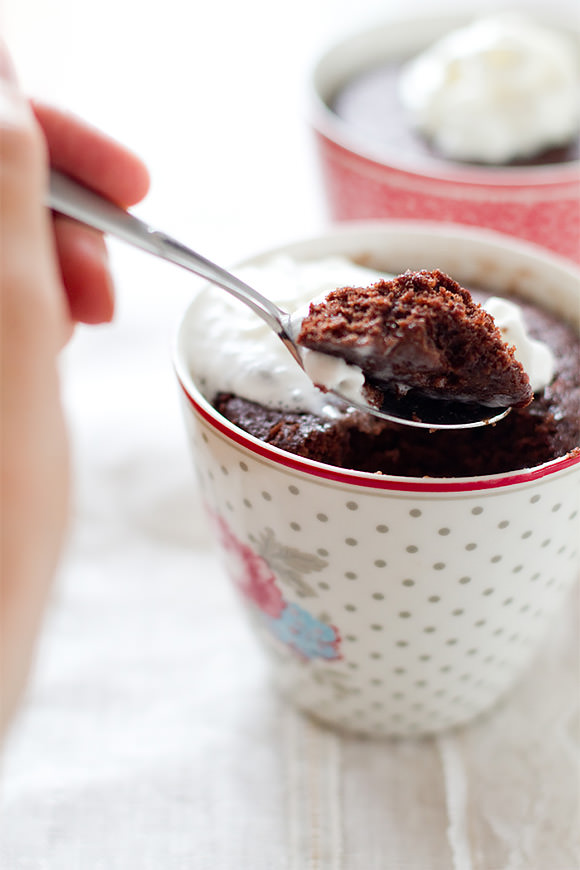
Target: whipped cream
x: 499, y: 89
x: 231, y: 349
x: 535, y: 356
x: 333, y: 373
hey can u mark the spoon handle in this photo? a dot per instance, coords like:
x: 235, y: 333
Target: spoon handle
x: 72, y: 199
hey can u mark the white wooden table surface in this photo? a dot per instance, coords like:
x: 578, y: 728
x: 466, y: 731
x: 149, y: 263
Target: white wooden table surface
x: 151, y: 738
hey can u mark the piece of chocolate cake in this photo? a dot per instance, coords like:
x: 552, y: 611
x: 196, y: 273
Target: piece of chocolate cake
x: 547, y: 428
x: 420, y: 331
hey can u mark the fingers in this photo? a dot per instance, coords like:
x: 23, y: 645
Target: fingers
x: 29, y: 277
x: 32, y: 293
x: 91, y: 157
x: 82, y: 152
x: 106, y: 166
x: 84, y: 266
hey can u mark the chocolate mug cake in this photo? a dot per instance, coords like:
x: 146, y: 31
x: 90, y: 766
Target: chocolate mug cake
x: 447, y: 118
x: 402, y: 602
x: 500, y: 91
x: 260, y: 391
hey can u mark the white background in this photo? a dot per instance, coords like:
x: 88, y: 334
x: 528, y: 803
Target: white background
x: 150, y: 737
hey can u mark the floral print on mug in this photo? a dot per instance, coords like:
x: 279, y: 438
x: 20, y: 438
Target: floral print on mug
x: 307, y: 636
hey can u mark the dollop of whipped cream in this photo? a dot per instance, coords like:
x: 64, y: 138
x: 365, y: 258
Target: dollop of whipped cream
x: 535, y: 356
x: 499, y: 89
x: 232, y: 350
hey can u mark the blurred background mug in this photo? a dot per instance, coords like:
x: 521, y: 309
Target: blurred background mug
x: 365, y: 177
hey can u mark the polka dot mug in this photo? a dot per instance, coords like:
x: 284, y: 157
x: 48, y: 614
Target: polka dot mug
x: 394, y: 605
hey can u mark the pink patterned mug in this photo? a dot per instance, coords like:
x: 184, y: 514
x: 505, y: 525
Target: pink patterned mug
x: 538, y: 203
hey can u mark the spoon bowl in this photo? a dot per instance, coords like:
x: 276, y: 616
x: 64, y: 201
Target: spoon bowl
x: 70, y: 198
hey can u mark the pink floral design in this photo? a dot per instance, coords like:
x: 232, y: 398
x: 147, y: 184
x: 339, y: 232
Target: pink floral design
x: 251, y: 572
x: 303, y: 633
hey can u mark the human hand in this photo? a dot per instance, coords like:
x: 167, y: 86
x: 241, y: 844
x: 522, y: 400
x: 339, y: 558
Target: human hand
x: 53, y: 273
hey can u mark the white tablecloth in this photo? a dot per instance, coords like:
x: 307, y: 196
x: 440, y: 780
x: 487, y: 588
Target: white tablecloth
x: 151, y: 738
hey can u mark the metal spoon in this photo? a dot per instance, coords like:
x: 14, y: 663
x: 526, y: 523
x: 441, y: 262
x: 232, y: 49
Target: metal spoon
x: 71, y: 198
